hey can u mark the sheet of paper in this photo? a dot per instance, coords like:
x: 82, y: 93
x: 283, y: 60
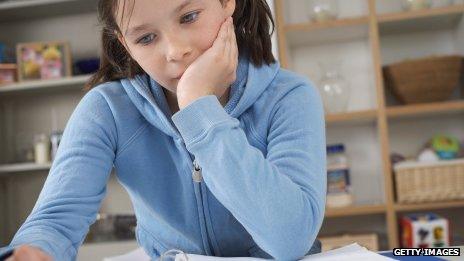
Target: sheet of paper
x: 350, y: 252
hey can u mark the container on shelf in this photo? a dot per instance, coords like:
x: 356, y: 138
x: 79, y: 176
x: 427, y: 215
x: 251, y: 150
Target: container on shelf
x: 414, y: 5
x: 338, y: 177
x: 41, y: 149
x: 443, y: 3
x: 333, y: 87
x: 323, y: 10
x: 369, y: 241
x: 429, y: 181
x: 429, y: 79
x: 7, y: 74
x: 112, y: 227
x: 55, y: 139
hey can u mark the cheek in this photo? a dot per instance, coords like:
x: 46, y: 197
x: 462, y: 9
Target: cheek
x: 153, y: 65
x: 208, y: 33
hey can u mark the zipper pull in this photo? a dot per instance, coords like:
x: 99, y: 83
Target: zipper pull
x: 196, y: 173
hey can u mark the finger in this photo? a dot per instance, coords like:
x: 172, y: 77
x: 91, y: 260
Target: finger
x: 227, y: 43
x: 234, y: 46
x: 220, y: 39
x: 233, y: 54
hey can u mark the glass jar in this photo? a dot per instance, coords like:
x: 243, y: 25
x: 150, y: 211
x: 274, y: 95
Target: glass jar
x: 334, y: 89
x: 414, y: 5
x: 323, y: 10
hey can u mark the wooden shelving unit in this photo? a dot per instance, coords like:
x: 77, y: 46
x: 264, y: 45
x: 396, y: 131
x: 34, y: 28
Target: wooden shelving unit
x: 356, y: 116
x: 75, y: 82
x: 355, y: 211
x: 42, y: 8
x: 426, y: 109
x: 23, y: 167
x: 430, y: 206
x: 430, y: 19
x: 309, y: 27
x: 371, y: 27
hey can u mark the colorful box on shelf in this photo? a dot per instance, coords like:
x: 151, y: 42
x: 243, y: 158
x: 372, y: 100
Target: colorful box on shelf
x: 424, y: 231
x: 429, y: 181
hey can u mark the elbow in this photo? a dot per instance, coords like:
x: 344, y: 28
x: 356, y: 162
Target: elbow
x: 292, y: 251
x: 301, y: 241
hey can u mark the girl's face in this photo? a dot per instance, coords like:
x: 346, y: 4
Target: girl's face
x: 166, y: 36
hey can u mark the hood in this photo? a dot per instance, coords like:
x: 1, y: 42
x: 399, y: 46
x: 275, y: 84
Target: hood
x: 148, y: 96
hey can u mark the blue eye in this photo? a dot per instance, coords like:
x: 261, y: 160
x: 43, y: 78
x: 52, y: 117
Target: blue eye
x: 146, y: 39
x: 189, y: 18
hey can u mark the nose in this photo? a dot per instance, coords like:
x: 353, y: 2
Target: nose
x: 178, y: 48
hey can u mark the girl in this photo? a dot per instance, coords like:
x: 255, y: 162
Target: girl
x: 221, y: 151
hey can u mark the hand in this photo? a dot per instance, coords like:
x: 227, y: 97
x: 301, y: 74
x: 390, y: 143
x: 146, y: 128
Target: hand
x: 213, y: 71
x: 29, y: 253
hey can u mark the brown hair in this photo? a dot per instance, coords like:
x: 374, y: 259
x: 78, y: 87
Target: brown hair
x: 252, y: 21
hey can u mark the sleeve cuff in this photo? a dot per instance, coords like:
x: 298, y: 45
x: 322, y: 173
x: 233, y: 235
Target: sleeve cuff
x: 5, y: 252
x: 198, y: 117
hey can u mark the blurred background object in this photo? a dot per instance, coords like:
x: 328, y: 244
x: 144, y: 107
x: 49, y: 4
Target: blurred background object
x: 390, y: 75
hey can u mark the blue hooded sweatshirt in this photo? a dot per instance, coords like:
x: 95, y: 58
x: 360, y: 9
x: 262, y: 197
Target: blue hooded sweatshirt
x: 247, y: 179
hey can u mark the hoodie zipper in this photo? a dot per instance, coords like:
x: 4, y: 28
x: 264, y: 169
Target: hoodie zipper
x: 196, y: 172
x: 197, y: 179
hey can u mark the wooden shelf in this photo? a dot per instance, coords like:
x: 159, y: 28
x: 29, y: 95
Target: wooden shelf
x: 421, y: 20
x: 331, y: 31
x: 23, y: 167
x: 355, y: 211
x: 426, y: 109
x: 356, y: 116
x: 429, y: 206
x: 75, y: 82
x: 15, y: 10
x: 313, y: 26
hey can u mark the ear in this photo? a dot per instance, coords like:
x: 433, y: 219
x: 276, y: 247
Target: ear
x: 229, y: 7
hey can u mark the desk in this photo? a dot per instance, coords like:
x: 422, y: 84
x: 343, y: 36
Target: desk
x: 97, y: 251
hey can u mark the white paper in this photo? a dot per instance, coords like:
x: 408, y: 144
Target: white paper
x: 350, y: 252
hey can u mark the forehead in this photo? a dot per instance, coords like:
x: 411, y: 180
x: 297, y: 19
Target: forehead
x: 127, y: 11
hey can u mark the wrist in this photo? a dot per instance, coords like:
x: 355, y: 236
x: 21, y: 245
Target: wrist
x: 184, y: 100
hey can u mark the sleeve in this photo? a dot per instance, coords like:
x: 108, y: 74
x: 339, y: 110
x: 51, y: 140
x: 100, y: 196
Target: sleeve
x: 279, y: 197
x: 76, y: 183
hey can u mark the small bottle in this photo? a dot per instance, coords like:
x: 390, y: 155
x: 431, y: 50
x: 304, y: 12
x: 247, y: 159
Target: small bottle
x: 55, y: 139
x: 41, y: 149
x: 338, y: 177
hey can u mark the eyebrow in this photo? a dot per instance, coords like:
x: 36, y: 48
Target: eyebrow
x: 142, y: 27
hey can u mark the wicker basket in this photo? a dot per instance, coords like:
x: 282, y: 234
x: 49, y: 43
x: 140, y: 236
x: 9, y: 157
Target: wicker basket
x: 427, y: 182
x: 429, y: 79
